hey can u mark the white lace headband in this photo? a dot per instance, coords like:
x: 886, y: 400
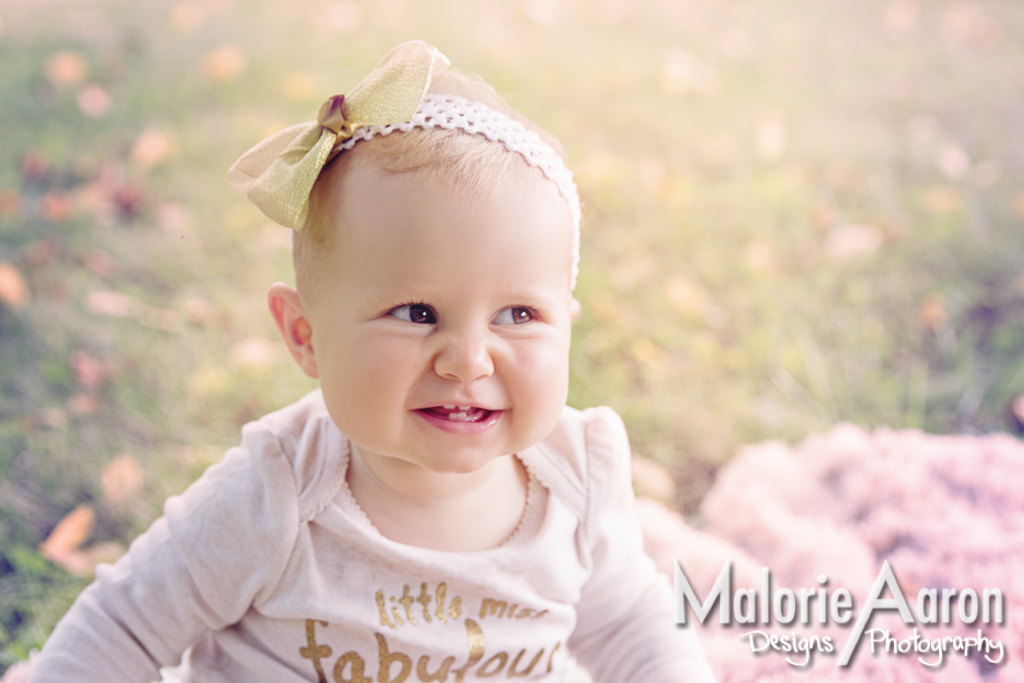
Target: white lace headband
x: 451, y: 112
x: 278, y: 174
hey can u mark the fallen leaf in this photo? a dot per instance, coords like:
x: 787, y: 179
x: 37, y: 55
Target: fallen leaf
x: 923, y: 129
x: 901, y: 18
x: 93, y: 101
x: 89, y: 370
x: 987, y: 173
x: 931, y: 312
x: 188, y: 15
x: 55, y: 207
x: 546, y: 13
x: 647, y: 352
x: 105, y: 302
x: 159, y: 319
x: 735, y: 43
x: 99, y: 262
x: 687, y: 298
x: 34, y: 166
x: 13, y: 290
x: 300, y: 86
x: 94, y: 198
x: 851, y: 241
x: 822, y: 217
x: 172, y: 217
x: 719, y: 153
x: 614, y: 12
x: 85, y: 403
x: 494, y: 33
x: 122, y: 479
x: 770, y: 138
x: 82, y: 563
x: 54, y: 418
x: 209, y: 381
x: 39, y: 253
x: 599, y: 167
x: 606, y: 309
x: 226, y: 63
x: 254, y: 352
x: 273, y: 126
x: 941, y: 201
x: 198, y: 311
x: 652, y: 480
x: 682, y: 73
x: 115, y: 304
x: 965, y: 22
x: 65, y: 68
x: 1017, y: 407
x: 345, y: 16
x: 896, y: 87
x: 69, y: 534
x: 760, y: 256
x: 953, y: 161
x: 1018, y: 204
x: 107, y: 552
x: 151, y: 147
x: 129, y: 199
x: 10, y: 202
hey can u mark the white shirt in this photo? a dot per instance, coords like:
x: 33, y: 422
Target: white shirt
x: 269, y: 569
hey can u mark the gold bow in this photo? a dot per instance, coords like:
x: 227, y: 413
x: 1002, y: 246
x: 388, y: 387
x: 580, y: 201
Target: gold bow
x: 278, y: 173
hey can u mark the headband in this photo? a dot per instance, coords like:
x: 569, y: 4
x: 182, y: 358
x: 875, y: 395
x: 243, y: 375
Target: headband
x: 278, y: 174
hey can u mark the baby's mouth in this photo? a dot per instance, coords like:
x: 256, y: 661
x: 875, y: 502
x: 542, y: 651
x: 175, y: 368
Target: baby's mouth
x: 459, y: 413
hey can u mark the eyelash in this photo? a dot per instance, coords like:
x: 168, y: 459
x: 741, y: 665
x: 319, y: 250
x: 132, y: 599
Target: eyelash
x: 513, y: 309
x: 532, y: 313
x: 410, y: 306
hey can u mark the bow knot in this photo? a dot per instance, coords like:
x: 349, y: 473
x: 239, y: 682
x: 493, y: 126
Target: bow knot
x: 332, y: 117
x: 278, y: 174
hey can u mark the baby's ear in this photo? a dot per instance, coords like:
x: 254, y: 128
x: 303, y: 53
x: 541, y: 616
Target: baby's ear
x: 287, y: 310
x: 574, y: 308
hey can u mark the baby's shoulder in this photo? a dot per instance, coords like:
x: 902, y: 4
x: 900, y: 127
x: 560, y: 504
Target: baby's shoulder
x: 585, y: 452
x: 305, y: 436
x: 293, y: 425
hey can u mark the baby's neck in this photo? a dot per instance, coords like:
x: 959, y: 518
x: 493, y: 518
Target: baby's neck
x: 443, y: 511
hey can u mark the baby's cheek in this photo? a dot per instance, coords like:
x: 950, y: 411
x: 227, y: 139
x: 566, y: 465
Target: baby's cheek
x: 385, y: 366
x: 367, y: 374
x: 544, y: 374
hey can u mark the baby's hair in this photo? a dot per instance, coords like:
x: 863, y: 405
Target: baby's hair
x: 466, y: 161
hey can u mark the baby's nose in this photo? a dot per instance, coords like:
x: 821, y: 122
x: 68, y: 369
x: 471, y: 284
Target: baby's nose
x: 464, y: 357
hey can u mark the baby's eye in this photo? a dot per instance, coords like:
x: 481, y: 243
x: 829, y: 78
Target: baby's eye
x: 415, y: 313
x: 513, y: 315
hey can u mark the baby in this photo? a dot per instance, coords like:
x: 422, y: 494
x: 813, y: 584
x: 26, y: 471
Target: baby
x: 435, y: 512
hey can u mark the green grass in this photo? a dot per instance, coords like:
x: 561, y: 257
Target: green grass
x: 718, y: 307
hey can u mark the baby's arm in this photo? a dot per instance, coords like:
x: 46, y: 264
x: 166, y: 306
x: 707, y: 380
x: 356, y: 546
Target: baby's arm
x: 219, y: 546
x: 625, y: 621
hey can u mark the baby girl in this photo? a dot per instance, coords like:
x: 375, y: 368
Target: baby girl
x: 434, y: 512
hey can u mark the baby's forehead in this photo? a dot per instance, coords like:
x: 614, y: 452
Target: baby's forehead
x: 367, y: 185
x: 416, y: 228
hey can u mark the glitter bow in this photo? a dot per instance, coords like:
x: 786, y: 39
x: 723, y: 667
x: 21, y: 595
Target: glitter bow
x: 278, y: 173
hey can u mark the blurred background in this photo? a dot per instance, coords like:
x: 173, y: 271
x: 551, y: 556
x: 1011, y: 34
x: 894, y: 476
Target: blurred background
x: 796, y: 214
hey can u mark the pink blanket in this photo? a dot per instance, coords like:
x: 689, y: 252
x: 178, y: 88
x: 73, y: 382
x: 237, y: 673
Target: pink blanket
x: 944, y: 511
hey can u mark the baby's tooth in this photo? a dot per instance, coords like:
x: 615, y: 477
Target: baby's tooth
x: 465, y: 407
x: 448, y: 407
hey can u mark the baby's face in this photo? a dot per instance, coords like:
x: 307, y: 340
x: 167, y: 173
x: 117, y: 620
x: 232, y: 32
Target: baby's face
x: 441, y: 332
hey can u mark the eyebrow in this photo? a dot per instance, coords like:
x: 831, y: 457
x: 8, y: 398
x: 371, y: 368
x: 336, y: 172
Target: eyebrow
x: 388, y: 296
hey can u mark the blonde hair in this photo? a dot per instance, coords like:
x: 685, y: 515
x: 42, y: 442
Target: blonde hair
x: 454, y: 157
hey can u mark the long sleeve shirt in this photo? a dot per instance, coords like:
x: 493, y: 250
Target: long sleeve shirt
x: 268, y: 568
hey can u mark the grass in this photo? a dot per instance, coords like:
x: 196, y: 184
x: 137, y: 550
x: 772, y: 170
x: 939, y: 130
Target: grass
x: 795, y: 214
